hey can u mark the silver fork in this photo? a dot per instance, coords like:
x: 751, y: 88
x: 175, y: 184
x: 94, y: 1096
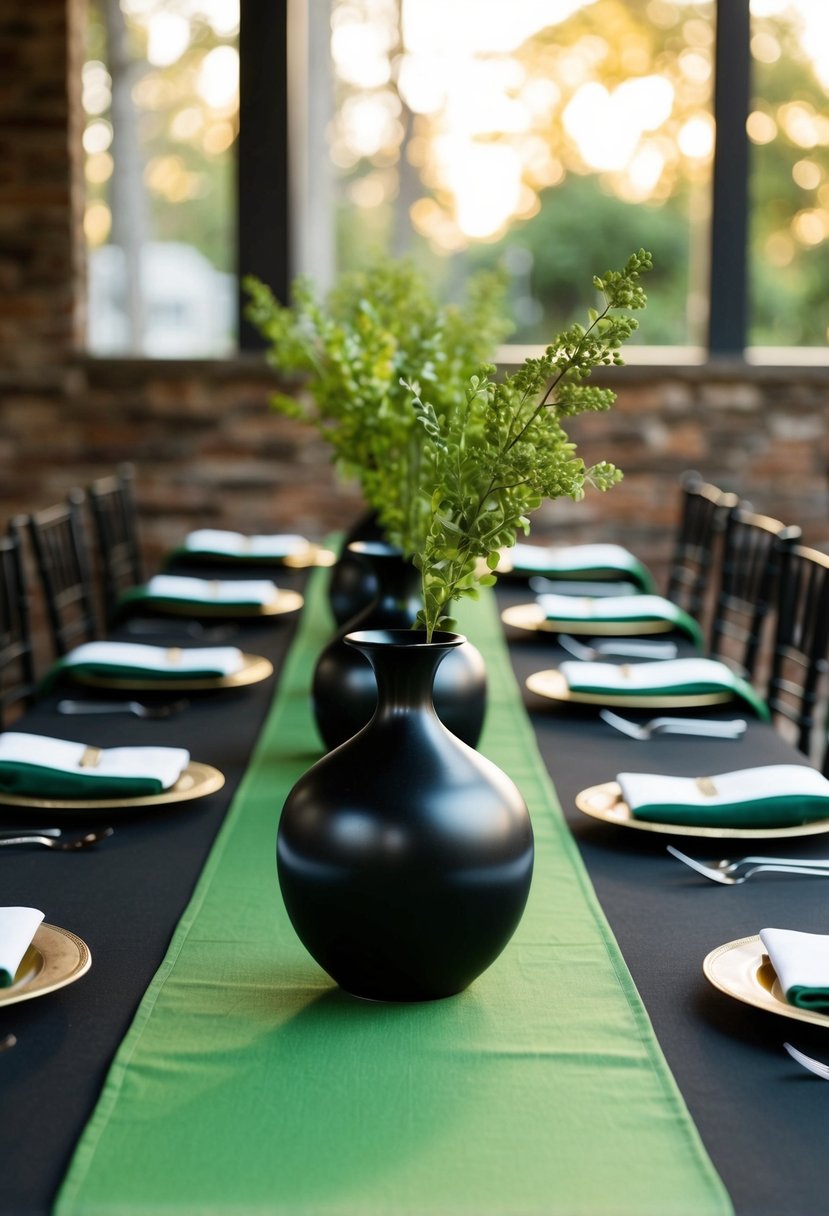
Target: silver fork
x: 67, y: 846
x: 714, y: 729
x: 815, y: 1066
x: 121, y: 707
x: 598, y: 649
x: 730, y: 879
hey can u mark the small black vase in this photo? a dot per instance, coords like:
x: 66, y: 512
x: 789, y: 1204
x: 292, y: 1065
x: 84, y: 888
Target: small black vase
x: 404, y: 857
x: 352, y: 585
x: 344, y: 690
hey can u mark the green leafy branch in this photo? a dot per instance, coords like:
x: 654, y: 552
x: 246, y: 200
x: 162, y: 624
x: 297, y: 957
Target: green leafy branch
x: 495, y: 457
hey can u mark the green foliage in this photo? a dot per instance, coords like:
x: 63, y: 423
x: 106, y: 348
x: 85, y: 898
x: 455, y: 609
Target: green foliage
x: 452, y: 460
x: 494, y: 456
x: 378, y: 328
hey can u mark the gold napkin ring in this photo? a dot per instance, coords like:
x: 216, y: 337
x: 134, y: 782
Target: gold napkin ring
x: 706, y: 786
x: 173, y: 655
x: 91, y: 757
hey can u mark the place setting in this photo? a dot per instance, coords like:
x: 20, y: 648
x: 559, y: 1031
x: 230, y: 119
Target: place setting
x: 221, y: 546
x: 781, y: 971
x: 40, y: 773
x: 600, y: 563
x: 141, y: 666
x: 179, y: 594
x: 603, y: 616
x: 36, y: 958
x: 775, y: 801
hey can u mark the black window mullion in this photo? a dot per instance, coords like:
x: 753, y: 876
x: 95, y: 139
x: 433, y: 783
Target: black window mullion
x: 728, y: 290
x: 263, y: 227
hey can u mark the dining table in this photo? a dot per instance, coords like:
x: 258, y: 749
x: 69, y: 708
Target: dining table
x: 206, y: 1064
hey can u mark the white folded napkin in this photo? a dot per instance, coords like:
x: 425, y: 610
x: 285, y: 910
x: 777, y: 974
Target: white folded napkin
x: 657, y: 675
x: 215, y: 660
x: 162, y: 764
x: 210, y: 591
x: 609, y: 608
x: 801, y: 963
x: 770, y: 795
x: 741, y: 786
x: 236, y: 544
x: 17, y: 928
x: 572, y: 557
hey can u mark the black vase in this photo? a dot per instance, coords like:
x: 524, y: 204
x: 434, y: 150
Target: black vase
x: 344, y: 690
x: 352, y: 585
x: 404, y: 856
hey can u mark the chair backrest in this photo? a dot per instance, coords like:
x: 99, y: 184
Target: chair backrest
x: 116, y: 530
x: 62, y: 556
x: 17, y: 668
x: 704, y: 511
x: 797, y: 686
x: 747, y: 587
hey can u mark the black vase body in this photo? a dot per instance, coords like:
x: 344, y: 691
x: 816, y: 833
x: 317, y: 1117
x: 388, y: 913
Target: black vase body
x: 344, y: 690
x: 404, y: 856
x: 352, y: 585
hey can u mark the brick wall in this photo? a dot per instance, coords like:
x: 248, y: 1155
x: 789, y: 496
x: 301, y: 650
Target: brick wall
x: 208, y: 449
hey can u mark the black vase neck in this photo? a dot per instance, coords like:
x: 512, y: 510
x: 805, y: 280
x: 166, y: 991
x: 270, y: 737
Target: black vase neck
x: 404, y: 665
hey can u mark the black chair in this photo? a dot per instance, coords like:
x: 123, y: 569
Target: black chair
x: 116, y: 529
x: 705, y: 510
x: 797, y: 691
x: 61, y: 552
x: 17, y: 665
x: 747, y: 587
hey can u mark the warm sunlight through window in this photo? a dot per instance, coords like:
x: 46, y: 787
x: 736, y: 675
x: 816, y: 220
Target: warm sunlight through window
x: 160, y: 91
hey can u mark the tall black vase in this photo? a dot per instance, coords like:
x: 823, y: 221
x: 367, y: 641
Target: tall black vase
x: 344, y: 690
x: 352, y: 585
x: 404, y: 856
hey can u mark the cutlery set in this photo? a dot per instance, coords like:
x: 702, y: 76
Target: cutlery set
x: 711, y: 729
x: 54, y: 839
x: 599, y: 648
x: 137, y: 708
x: 731, y: 873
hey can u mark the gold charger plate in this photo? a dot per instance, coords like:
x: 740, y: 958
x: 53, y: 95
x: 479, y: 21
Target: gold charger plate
x: 254, y: 668
x: 552, y: 685
x: 533, y: 619
x: 284, y: 601
x: 197, y: 781
x: 604, y: 802
x: 55, y: 958
x: 741, y: 969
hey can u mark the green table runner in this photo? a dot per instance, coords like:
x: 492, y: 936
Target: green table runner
x: 249, y: 1084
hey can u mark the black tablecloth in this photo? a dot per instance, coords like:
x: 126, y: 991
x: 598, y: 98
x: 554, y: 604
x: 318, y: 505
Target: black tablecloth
x: 761, y: 1117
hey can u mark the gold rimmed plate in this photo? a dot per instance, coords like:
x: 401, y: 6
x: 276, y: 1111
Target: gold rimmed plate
x: 283, y: 602
x: 741, y: 969
x: 552, y: 685
x: 54, y: 959
x: 531, y: 618
x: 197, y: 781
x: 605, y: 803
x: 254, y: 669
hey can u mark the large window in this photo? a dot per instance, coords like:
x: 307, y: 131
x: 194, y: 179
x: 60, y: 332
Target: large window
x: 548, y: 136
x: 160, y: 92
